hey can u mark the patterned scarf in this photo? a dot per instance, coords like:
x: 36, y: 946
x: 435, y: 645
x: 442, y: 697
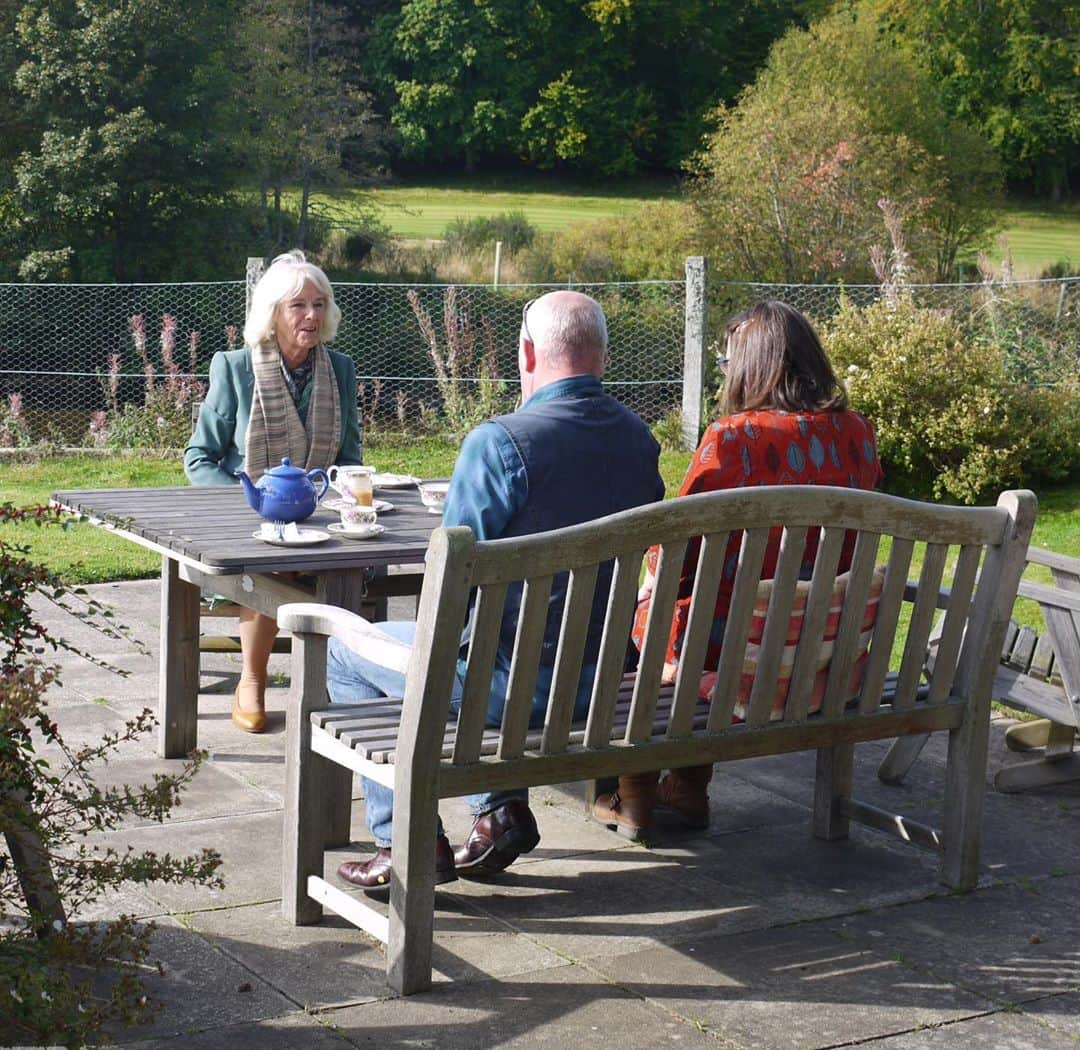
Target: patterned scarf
x: 275, y: 430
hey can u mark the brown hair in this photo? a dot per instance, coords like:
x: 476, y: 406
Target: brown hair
x: 775, y: 360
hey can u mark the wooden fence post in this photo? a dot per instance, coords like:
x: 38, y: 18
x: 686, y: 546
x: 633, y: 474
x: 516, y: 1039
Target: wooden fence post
x: 255, y: 270
x: 694, y: 348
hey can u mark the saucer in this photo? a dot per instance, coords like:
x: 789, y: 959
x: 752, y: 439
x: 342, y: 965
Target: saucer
x: 393, y: 481
x: 380, y: 506
x: 303, y: 538
x: 367, y: 532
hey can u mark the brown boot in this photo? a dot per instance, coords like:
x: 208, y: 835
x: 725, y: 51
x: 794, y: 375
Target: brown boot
x: 685, y: 792
x: 629, y: 809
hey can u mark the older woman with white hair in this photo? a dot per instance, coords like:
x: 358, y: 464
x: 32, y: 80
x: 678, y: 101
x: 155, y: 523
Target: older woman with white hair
x: 284, y: 394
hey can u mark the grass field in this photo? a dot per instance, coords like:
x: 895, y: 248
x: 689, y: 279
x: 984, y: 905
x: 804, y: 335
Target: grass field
x: 1038, y: 236
x: 425, y: 210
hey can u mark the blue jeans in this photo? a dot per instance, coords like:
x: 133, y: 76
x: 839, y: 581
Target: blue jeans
x: 350, y: 677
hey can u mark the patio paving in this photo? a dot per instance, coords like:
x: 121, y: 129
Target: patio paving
x: 752, y: 934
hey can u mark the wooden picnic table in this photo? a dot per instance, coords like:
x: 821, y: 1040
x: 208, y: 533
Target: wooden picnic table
x: 205, y: 536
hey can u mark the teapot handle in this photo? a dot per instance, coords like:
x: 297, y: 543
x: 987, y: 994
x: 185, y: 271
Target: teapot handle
x: 319, y: 475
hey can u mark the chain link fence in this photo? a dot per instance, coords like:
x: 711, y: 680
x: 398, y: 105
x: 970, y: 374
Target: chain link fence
x: 429, y: 358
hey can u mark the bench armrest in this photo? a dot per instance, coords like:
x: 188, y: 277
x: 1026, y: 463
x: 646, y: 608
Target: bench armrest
x: 361, y: 636
x: 1050, y: 597
x: 1052, y: 560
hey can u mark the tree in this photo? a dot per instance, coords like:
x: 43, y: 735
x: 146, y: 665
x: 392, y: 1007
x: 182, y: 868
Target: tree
x: 606, y: 86
x: 300, y: 106
x: 1007, y: 68
x: 127, y: 174
x: 787, y: 188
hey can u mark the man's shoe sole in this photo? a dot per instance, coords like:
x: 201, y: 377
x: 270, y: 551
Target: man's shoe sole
x: 382, y: 893
x: 510, y: 845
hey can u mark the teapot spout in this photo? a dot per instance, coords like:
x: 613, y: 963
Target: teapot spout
x: 251, y: 493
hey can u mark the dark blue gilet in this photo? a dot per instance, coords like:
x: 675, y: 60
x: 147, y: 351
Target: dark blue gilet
x: 585, y: 455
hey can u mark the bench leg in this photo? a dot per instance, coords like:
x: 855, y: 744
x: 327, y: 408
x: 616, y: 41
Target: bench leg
x: 901, y: 757
x: 307, y: 778
x: 339, y: 782
x: 832, y: 788
x: 412, y: 893
x: 965, y: 790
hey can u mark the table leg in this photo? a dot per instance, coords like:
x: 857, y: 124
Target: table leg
x: 178, y: 687
x: 345, y: 589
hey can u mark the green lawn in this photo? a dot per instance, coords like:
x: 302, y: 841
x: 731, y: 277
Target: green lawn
x: 424, y: 210
x: 1040, y: 236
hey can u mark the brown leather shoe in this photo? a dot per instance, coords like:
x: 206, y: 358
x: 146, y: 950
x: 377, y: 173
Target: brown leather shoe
x: 685, y: 792
x: 373, y: 874
x: 497, y: 839
x: 629, y: 809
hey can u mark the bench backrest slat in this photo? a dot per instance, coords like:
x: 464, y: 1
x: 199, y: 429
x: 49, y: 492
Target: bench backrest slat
x: 892, y: 598
x: 774, y: 638
x: 654, y: 647
x: 698, y: 631
x: 922, y: 622
x: 837, y: 687
x: 609, y: 667
x: 476, y: 690
x: 956, y: 616
x: 737, y: 628
x: 815, y: 617
x: 525, y: 666
x: 569, y: 658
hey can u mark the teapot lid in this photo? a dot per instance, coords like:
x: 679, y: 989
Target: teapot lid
x: 287, y: 470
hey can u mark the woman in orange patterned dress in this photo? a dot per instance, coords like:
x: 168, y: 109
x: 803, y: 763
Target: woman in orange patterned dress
x: 787, y: 422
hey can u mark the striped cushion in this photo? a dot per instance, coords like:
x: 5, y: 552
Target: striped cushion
x: 787, y: 659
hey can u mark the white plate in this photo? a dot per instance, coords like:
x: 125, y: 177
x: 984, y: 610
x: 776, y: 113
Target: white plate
x: 381, y: 506
x: 304, y: 538
x: 338, y: 529
x: 393, y: 481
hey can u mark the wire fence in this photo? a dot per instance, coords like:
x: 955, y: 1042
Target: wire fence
x: 431, y: 358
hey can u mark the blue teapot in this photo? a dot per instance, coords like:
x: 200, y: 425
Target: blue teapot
x: 286, y: 493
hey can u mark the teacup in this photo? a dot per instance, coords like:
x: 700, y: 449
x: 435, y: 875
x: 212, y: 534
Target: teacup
x: 353, y: 482
x: 357, y: 518
x: 433, y: 495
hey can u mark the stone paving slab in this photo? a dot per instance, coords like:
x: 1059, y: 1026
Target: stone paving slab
x: 1009, y: 943
x: 1000, y: 1031
x: 201, y: 988
x: 592, y: 905
x: 794, y: 986
x: 795, y: 875
x: 1061, y: 1013
x: 566, y: 1007
x: 296, y: 1031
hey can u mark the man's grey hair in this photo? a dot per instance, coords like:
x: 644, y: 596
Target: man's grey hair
x: 569, y: 328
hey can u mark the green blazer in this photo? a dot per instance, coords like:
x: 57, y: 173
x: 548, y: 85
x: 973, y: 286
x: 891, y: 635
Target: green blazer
x: 216, y: 450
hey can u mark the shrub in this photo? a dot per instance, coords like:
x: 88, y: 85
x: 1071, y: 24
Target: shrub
x: 651, y: 244
x: 62, y: 980
x: 952, y: 421
x: 14, y: 430
x: 163, y: 420
x: 470, y: 235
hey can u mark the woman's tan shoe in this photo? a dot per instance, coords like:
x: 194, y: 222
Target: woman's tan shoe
x: 248, y: 721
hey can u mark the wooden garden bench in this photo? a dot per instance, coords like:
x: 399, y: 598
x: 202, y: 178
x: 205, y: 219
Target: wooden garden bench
x: 1039, y: 674
x: 426, y: 752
